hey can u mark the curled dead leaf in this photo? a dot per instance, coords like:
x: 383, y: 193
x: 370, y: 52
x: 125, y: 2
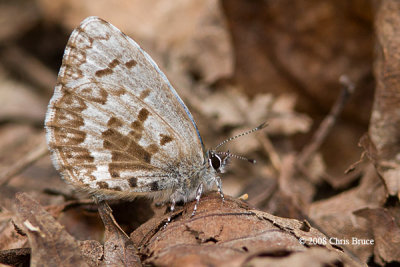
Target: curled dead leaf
x: 228, y: 233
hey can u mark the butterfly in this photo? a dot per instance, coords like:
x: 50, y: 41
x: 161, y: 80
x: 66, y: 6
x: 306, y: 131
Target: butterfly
x: 116, y: 128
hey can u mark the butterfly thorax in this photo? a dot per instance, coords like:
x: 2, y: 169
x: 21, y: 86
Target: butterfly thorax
x: 190, y: 176
x: 187, y: 177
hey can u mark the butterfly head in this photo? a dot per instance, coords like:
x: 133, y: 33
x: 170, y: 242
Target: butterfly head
x: 219, y: 159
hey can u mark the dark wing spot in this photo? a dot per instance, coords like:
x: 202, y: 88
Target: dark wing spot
x: 131, y: 63
x: 83, y: 33
x: 119, y: 140
x: 114, y: 122
x: 119, y: 91
x: 103, y: 72
x: 125, y: 143
x: 78, y: 154
x: 143, y: 114
x: 72, y: 102
x: 154, y: 186
x: 80, y: 30
x: 120, y: 157
x: 102, y: 185
x: 165, y: 139
x: 95, y: 94
x: 71, y: 71
x: 139, y: 152
x: 153, y: 148
x: 145, y: 93
x: 136, y: 135
x: 132, y: 182
x: 137, y: 125
x: 68, y: 119
x: 113, y: 63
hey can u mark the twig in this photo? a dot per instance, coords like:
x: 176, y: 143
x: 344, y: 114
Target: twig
x: 269, y: 148
x: 21, y: 119
x: 326, y: 125
x: 107, y: 217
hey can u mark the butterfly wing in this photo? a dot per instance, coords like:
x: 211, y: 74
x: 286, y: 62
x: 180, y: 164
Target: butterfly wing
x: 114, y: 123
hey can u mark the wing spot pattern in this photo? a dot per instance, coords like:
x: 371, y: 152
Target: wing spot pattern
x: 137, y: 125
x: 114, y: 122
x: 145, y: 93
x: 121, y: 142
x: 132, y: 182
x: 143, y: 114
x: 67, y: 140
x: 131, y: 63
x: 103, y: 72
x: 165, y: 139
x: 102, y: 185
x: 154, y: 186
x: 113, y: 63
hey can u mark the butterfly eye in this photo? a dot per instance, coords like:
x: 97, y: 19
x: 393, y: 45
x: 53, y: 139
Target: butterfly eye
x: 215, y: 161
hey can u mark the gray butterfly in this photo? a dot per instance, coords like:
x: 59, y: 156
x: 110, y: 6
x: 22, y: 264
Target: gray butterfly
x: 117, y: 129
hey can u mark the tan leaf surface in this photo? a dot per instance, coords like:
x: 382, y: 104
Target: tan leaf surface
x: 51, y: 245
x: 228, y: 234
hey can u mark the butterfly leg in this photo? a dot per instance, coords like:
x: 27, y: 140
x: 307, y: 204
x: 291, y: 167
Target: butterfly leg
x: 172, y: 208
x: 219, y: 185
x: 198, y: 195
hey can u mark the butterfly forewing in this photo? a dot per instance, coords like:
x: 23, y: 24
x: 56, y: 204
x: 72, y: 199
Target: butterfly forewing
x: 114, y: 122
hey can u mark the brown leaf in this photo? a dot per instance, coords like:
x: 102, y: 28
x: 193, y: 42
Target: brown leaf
x: 15, y: 257
x: 10, y: 238
x: 389, y: 170
x: 385, y: 120
x: 386, y: 232
x: 370, y: 148
x: 315, y: 255
x: 336, y: 214
x: 223, y: 234
x: 300, y: 51
x: 51, y: 245
x: 118, y: 248
x: 92, y: 251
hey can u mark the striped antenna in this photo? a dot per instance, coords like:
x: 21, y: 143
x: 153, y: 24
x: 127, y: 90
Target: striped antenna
x: 261, y: 126
x: 236, y: 156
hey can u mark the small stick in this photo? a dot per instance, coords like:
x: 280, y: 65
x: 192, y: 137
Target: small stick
x: 326, y: 125
x: 270, y: 149
x: 108, y: 219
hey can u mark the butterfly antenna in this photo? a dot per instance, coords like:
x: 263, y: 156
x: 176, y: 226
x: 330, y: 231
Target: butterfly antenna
x: 237, y: 157
x: 261, y: 126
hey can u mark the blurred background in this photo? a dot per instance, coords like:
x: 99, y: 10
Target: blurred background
x: 235, y: 64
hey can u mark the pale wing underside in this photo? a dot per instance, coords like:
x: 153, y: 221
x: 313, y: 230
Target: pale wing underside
x: 114, y: 122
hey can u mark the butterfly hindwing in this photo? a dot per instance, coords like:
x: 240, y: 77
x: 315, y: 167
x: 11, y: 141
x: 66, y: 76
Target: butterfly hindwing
x: 115, y: 123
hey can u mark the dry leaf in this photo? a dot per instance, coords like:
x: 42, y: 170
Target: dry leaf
x: 51, y: 245
x: 224, y: 234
